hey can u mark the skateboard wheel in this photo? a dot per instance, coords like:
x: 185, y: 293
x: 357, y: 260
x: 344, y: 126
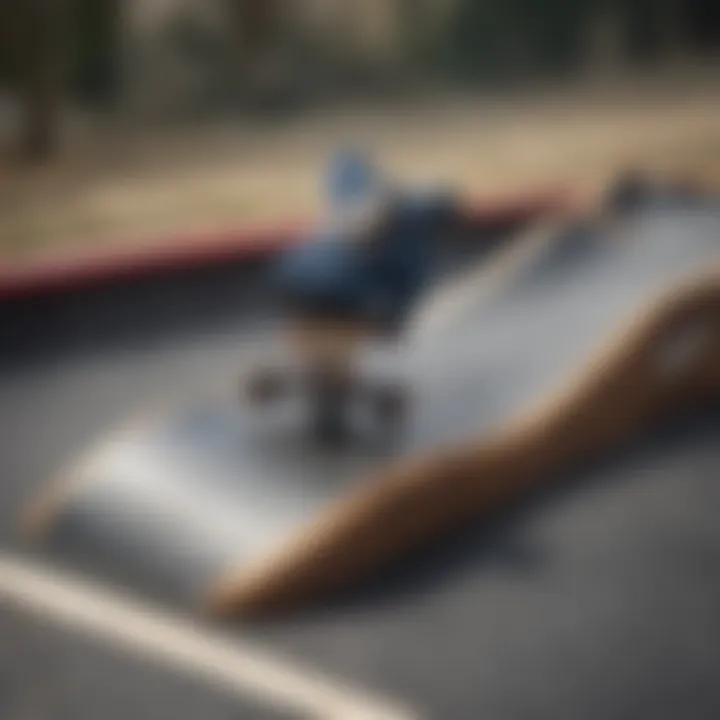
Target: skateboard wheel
x: 264, y: 385
x: 391, y: 404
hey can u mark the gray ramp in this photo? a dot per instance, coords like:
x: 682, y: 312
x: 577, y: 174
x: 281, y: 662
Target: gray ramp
x: 172, y: 503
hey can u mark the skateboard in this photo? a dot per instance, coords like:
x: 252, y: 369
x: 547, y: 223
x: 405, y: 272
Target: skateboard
x: 568, y: 360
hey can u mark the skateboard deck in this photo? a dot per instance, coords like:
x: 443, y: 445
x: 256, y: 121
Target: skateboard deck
x: 215, y: 503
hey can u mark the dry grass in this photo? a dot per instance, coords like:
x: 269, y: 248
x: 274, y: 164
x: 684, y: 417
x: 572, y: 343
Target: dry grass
x: 123, y: 187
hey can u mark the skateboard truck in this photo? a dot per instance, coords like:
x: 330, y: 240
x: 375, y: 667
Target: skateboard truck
x: 330, y: 391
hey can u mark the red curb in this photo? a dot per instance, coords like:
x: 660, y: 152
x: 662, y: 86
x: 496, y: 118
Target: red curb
x: 197, y: 250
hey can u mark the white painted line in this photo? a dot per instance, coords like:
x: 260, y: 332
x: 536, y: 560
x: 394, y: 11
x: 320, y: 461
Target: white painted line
x: 185, y: 646
x: 455, y: 297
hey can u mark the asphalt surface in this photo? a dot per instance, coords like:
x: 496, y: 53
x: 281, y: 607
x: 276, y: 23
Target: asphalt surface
x: 50, y: 673
x: 594, y: 600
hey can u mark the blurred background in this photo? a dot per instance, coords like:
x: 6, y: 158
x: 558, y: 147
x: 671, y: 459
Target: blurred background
x: 122, y: 120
